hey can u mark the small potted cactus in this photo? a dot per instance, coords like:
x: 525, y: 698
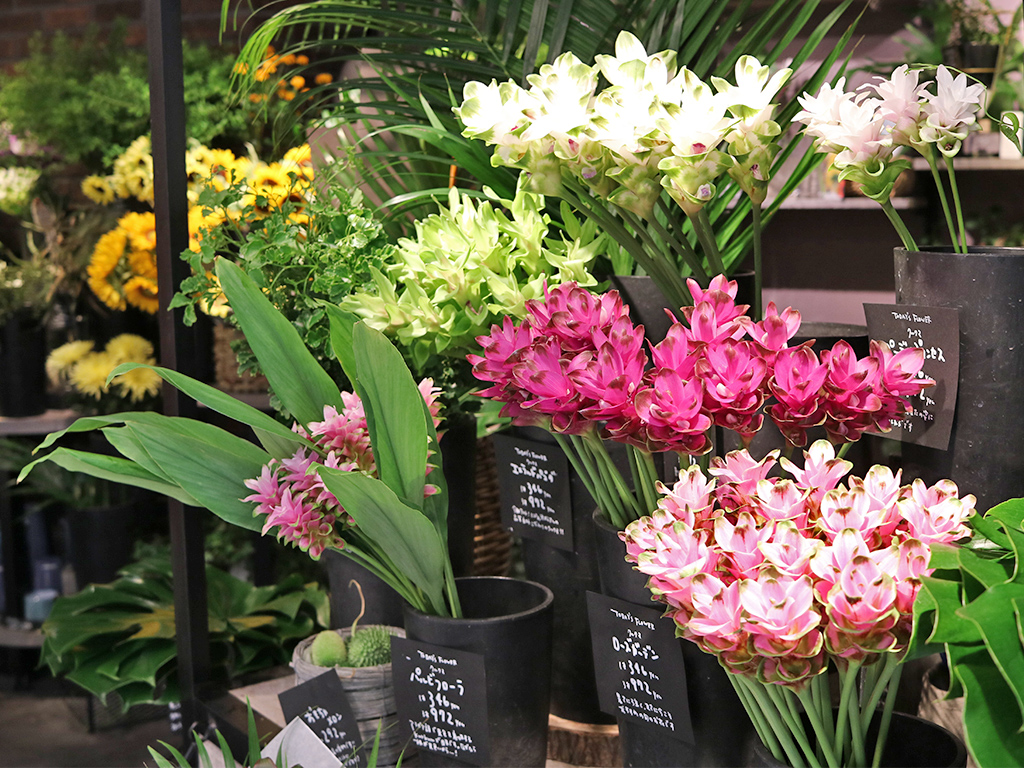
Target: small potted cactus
x: 361, y: 656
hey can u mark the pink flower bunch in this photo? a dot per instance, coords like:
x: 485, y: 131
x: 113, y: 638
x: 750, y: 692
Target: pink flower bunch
x: 295, y: 500
x: 577, y: 364
x: 776, y: 575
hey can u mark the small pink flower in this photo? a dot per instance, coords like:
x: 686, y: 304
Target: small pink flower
x: 738, y: 475
x: 821, y: 472
x: 774, y: 332
x: 797, y: 383
x: 843, y: 509
x: 936, y: 514
x: 676, y: 352
x: 720, y: 296
x: 671, y: 416
x: 782, y: 500
x: 689, y: 500
x: 733, y: 376
x: 740, y: 543
x: 788, y: 550
x: 571, y: 314
x: 780, y: 614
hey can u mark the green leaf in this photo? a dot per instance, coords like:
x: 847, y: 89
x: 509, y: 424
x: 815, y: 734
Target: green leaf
x: 991, y: 729
x: 394, y: 414
x: 950, y: 627
x: 302, y: 385
x: 225, y: 405
x: 404, y: 534
x: 210, y: 462
x: 994, y: 615
x: 341, y: 338
x: 987, y: 571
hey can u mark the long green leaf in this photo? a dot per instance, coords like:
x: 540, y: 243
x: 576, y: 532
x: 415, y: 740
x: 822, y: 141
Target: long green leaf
x: 394, y: 414
x: 302, y: 385
x: 404, y: 534
x: 992, y: 731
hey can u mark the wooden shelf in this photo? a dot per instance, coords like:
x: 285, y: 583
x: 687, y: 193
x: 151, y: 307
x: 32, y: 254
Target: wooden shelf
x: 20, y: 637
x: 43, y: 424
x: 848, y: 203
x: 976, y: 164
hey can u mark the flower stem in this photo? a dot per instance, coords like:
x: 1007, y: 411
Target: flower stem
x: 755, y: 211
x: 682, y: 245
x: 757, y: 717
x: 883, y: 724
x: 611, y: 472
x: 821, y: 733
x: 776, y: 725
x: 702, y: 226
x: 665, y: 269
x: 580, y: 461
x: 901, y: 229
x: 789, y: 716
x: 856, y: 731
x: 942, y: 198
x: 848, y: 684
x: 956, y: 203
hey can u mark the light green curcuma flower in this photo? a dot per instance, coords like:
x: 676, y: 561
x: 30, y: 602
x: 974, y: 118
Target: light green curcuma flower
x: 469, y: 265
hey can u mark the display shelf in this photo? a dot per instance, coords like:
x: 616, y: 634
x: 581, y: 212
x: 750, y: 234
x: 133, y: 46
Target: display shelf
x: 848, y: 203
x: 976, y: 164
x: 19, y: 634
x: 43, y: 424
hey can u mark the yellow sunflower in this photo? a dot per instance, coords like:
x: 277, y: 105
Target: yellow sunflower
x: 141, y: 292
x: 129, y: 348
x: 60, y: 360
x: 107, y: 253
x: 139, y: 383
x: 141, y: 230
x: 89, y: 376
x: 98, y: 189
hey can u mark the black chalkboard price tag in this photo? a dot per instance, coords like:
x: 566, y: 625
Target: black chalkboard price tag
x: 534, y: 482
x: 322, y: 704
x: 441, y: 696
x: 936, y: 330
x: 639, y: 665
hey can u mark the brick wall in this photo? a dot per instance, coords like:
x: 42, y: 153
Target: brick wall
x: 20, y: 19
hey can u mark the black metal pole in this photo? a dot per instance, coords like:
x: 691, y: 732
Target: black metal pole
x: 177, y: 347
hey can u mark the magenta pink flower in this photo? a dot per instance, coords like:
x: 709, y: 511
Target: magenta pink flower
x: 671, y: 416
x: 720, y: 297
x: 797, y: 383
x: 733, y: 376
x: 676, y: 352
x: 571, y: 314
x: 772, y: 334
x: 543, y: 376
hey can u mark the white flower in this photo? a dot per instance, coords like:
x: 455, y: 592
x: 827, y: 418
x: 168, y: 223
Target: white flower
x: 632, y: 69
x: 493, y: 112
x: 699, y: 123
x: 754, y: 90
x: 952, y: 112
x: 562, y: 91
x: 821, y: 113
x: 900, y: 103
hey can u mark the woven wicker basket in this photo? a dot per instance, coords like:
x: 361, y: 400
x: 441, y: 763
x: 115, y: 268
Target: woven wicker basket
x: 370, y: 692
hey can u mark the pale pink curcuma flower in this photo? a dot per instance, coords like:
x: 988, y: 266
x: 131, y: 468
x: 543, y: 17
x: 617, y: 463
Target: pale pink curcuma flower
x: 829, y: 561
x: 740, y: 543
x: 780, y: 614
x: 861, y: 610
x: 788, y: 550
x: 690, y: 498
x: 952, y: 111
x: 821, y: 471
x: 679, y: 553
x: 907, y: 563
x: 738, y: 475
x: 716, y: 614
x: 843, y: 509
x: 782, y: 500
x: 936, y: 514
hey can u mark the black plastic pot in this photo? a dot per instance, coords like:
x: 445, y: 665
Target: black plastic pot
x: 508, y: 621
x: 458, y: 462
x: 721, y: 728
x: 23, y: 365
x: 986, y: 285
x: 99, y: 540
x: 383, y: 604
x: 913, y: 742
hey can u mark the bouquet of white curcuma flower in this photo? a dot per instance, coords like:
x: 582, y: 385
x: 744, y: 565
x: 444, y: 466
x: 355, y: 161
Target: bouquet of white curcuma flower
x: 656, y: 127
x: 868, y: 132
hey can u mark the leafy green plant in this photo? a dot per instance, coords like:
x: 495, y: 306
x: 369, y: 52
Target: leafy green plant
x: 97, y: 96
x: 302, y: 253
x: 26, y: 286
x: 972, y: 608
x: 417, y: 59
x: 119, y: 637
x: 394, y: 524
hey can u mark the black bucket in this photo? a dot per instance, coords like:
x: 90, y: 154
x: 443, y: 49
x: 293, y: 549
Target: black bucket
x: 508, y: 622
x: 383, y: 604
x: 986, y: 285
x: 458, y: 462
x: 721, y: 728
x: 22, y: 366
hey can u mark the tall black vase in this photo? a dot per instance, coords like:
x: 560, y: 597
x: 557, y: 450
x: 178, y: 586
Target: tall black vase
x: 986, y: 286
x: 508, y: 621
x: 23, y: 365
x: 383, y: 604
x: 721, y: 729
x: 458, y: 462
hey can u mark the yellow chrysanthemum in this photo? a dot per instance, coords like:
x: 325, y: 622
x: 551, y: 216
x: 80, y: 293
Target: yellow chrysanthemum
x: 142, y: 264
x: 129, y: 348
x: 199, y: 224
x: 323, y: 78
x: 141, y: 292
x: 107, y: 293
x: 60, y: 360
x: 139, y: 383
x: 141, y: 230
x: 98, y: 189
x: 89, y: 376
x: 107, y: 253
x: 140, y: 184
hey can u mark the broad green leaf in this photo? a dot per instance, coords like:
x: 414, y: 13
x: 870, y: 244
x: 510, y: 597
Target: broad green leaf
x: 404, y: 534
x: 987, y: 571
x: 995, y: 617
x: 341, y: 338
x: 991, y: 729
x: 949, y: 626
x: 91, y: 423
x: 112, y: 468
x: 1010, y: 512
x: 944, y: 557
x: 225, y: 404
x: 211, y: 462
x: 293, y: 373
x: 394, y: 414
